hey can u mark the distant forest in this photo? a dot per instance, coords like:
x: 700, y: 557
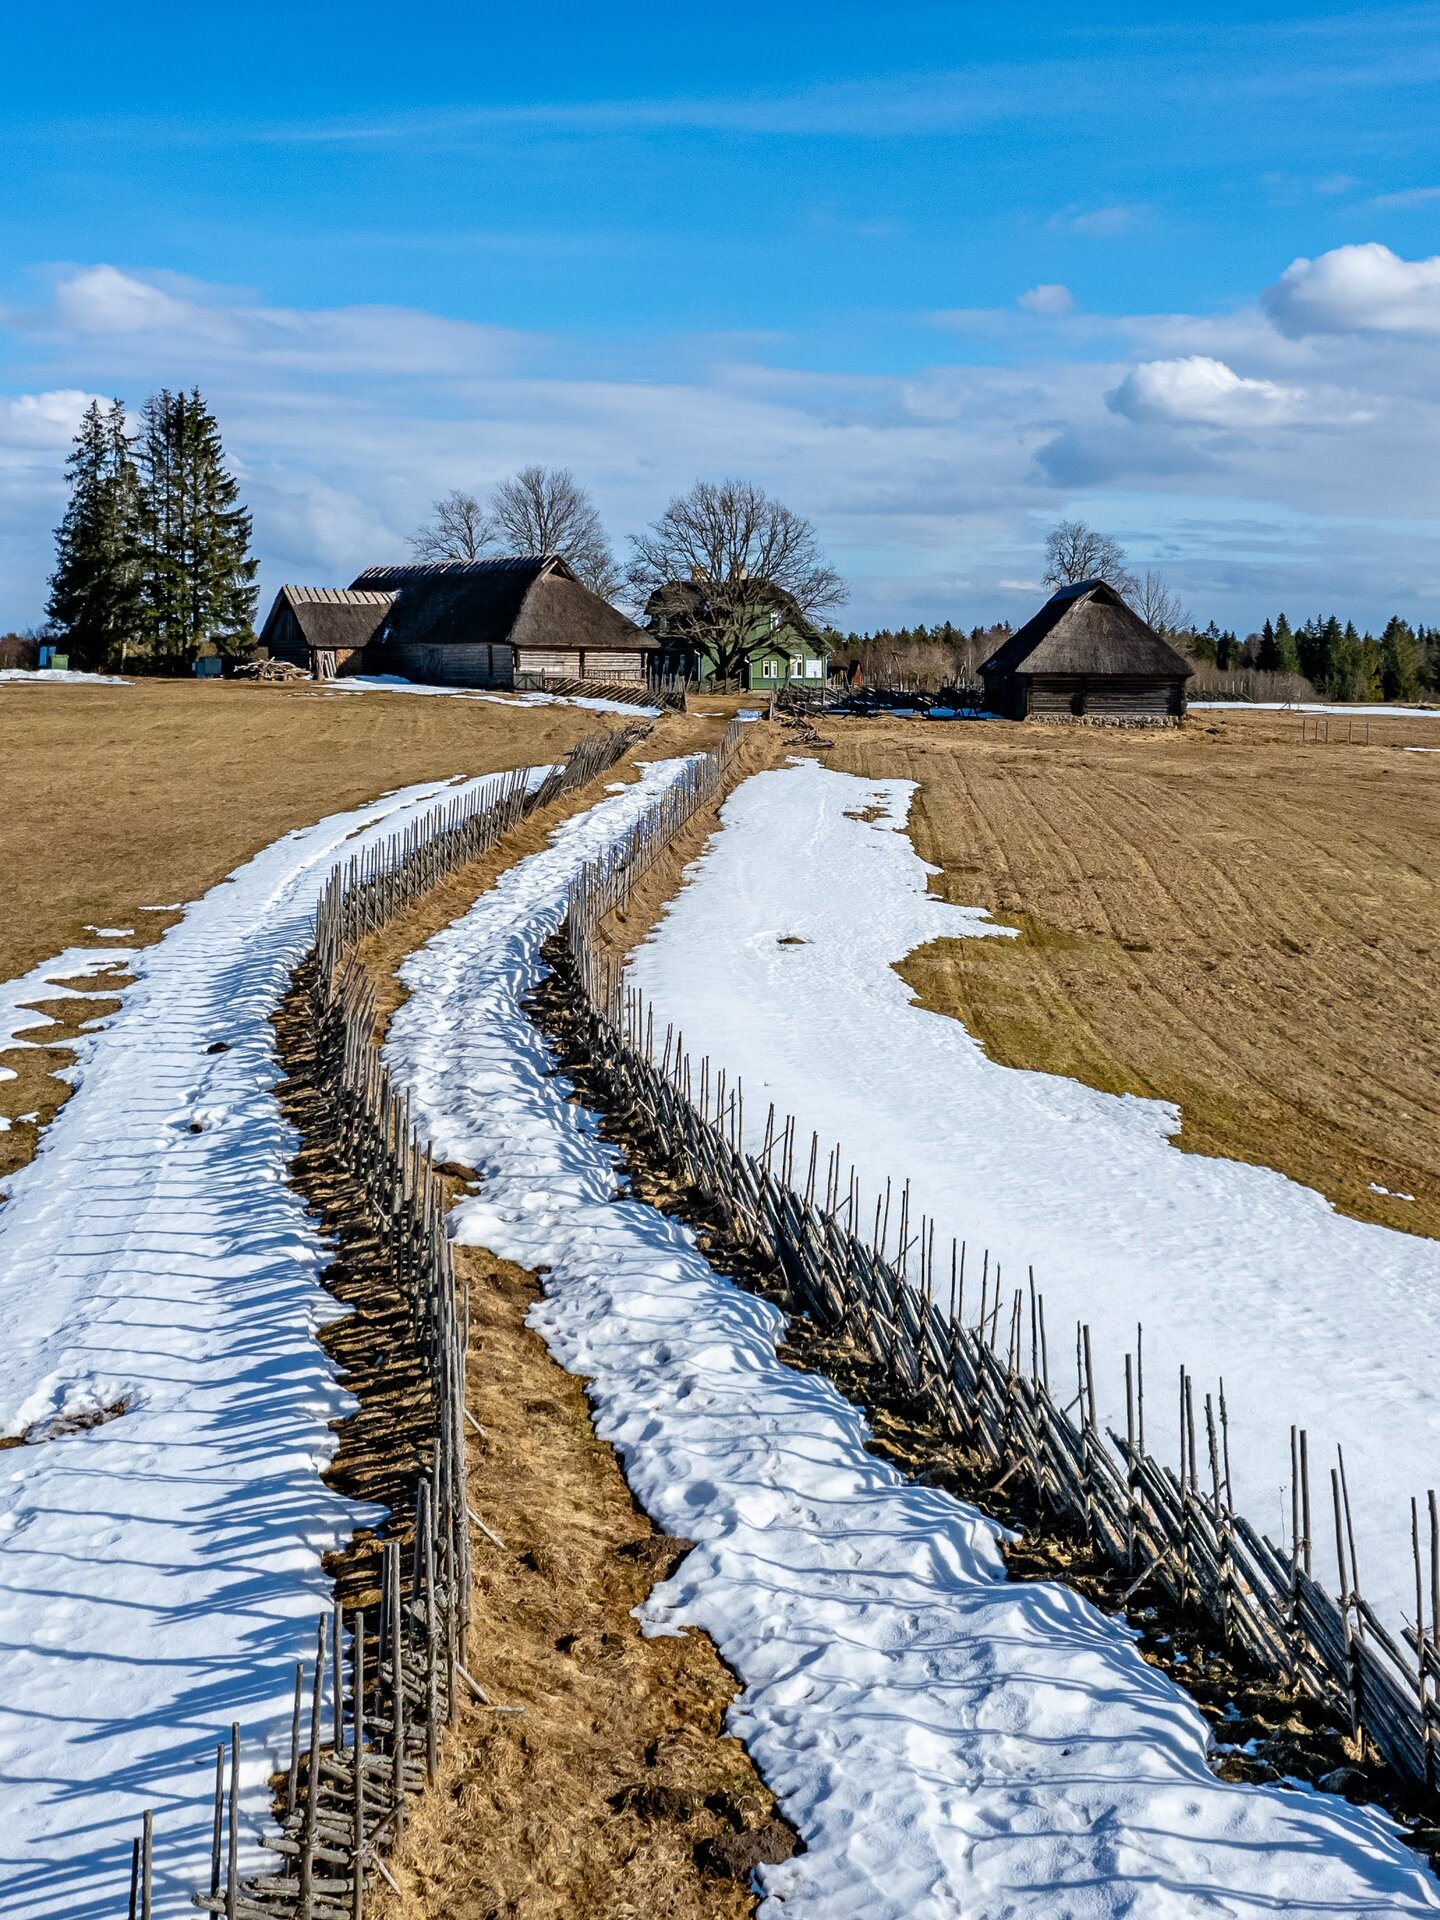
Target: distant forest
x: 1323, y: 657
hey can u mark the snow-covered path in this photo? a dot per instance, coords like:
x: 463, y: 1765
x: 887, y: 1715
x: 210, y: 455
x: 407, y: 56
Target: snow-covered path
x: 1236, y: 1271
x: 160, y: 1574
x: 948, y: 1744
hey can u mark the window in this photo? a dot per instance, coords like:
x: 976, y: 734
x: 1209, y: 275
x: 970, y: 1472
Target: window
x: 767, y: 669
x: 797, y: 667
x: 774, y: 620
x: 812, y: 669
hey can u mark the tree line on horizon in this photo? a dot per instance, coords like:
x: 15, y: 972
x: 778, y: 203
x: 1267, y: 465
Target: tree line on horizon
x: 1324, y: 656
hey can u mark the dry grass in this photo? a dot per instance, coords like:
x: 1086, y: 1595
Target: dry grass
x: 114, y: 799
x: 1219, y: 916
x: 117, y: 798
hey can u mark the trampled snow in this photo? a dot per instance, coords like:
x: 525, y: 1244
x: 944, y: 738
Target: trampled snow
x: 1344, y: 711
x: 395, y: 683
x: 58, y: 677
x: 162, y: 1572
x: 948, y: 1744
x: 1234, y: 1270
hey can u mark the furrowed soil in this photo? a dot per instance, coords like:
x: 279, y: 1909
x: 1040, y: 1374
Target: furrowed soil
x: 115, y: 799
x: 1218, y: 915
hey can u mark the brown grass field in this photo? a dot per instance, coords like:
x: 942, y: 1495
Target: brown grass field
x: 1220, y: 916
x: 117, y: 798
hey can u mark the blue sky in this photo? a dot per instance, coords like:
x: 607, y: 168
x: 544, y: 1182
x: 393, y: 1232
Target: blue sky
x: 936, y: 275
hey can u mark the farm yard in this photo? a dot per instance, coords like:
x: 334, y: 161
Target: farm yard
x: 917, y: 1730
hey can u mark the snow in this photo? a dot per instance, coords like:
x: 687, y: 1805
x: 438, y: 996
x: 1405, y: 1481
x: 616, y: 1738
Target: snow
x: 58, y: 676
x: 163, y: 1571
x: 1343, y: 712
x: 17, y: 1014
x: 1241, y: 1274
x: 393, y: 683
x: 947, y: 1743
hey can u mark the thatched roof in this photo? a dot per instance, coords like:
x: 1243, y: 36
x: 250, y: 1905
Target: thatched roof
x: 331, y: 617
x: 1086, y: 628
x: 526, y: 602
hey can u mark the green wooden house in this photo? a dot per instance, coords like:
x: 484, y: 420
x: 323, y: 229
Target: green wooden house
x: 790, y: 652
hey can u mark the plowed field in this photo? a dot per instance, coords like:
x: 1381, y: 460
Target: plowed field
x: 1220, y: 916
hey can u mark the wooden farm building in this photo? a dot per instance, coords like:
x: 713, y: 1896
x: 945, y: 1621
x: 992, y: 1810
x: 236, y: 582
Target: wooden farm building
x: 325, y: 629
x: 506, y: 623
x: 1087, y: 656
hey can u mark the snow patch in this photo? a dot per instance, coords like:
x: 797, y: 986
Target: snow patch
x: 1236, y: 1271
x: 947, y: 1743
x: 163, y: 1582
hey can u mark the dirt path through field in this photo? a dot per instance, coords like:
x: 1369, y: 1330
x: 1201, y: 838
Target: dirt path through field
x: 1218, y: 916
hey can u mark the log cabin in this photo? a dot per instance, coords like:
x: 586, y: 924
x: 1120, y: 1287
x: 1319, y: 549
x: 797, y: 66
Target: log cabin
x: 1087, y: 656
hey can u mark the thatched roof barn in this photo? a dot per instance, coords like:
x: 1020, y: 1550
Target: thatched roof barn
x: 516, y: 622
x: 1087, y: 656
x: 500, y: 623
x: 324, y: 629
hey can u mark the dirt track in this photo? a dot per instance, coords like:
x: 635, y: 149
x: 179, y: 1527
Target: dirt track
x: 1218, y: 916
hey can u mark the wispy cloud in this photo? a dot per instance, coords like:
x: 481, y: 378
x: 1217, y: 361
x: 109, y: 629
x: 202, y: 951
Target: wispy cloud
x: 1406, y: 198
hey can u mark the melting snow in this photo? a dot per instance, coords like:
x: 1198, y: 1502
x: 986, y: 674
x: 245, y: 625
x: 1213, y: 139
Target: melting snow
x: 1236, y: 1271
x: 162, y: 1571
x: 947, y: 1743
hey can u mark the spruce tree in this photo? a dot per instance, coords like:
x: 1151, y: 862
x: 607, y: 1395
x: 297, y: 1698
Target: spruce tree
x: 1399, y: 662
x: 1287, y: 648
x: 199, y: 573
x: 94, y: 604
x: 1267, y: 658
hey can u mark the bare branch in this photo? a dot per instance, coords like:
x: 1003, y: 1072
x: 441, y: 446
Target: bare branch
x: 729, y: 564
x: 460, y: 530
x: 1075, y: 551
x: 543, y: 510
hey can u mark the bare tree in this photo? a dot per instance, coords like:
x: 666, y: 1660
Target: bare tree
x: 460, y: 530
x: 732, y: 565
x: 1074, y: 551
x: 540, y: 510
x: 1159, y: 605
x: 546, y: 510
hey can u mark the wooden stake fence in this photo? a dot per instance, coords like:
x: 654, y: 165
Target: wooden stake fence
x: 369, y: 1707
x: 980, y: 1375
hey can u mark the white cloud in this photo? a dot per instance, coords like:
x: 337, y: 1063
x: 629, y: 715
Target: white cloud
x: 1048, y: 298
x: 1101, y: 223
x: 42, y: 420
x: 1405, y: 199
x: 104, y: 300
x: 211, y: 327
x: 1197, y: 390
x: 931, y: 489
x: 1356, y: 289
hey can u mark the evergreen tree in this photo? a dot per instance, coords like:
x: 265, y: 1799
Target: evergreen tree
x: 1311, y: 641
x: 1267, y: 657
x: 95, y: 590
x: 199, y: 576
x: 1337, y: 661
x: 1287, y: 649
x: 1399, y: 662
